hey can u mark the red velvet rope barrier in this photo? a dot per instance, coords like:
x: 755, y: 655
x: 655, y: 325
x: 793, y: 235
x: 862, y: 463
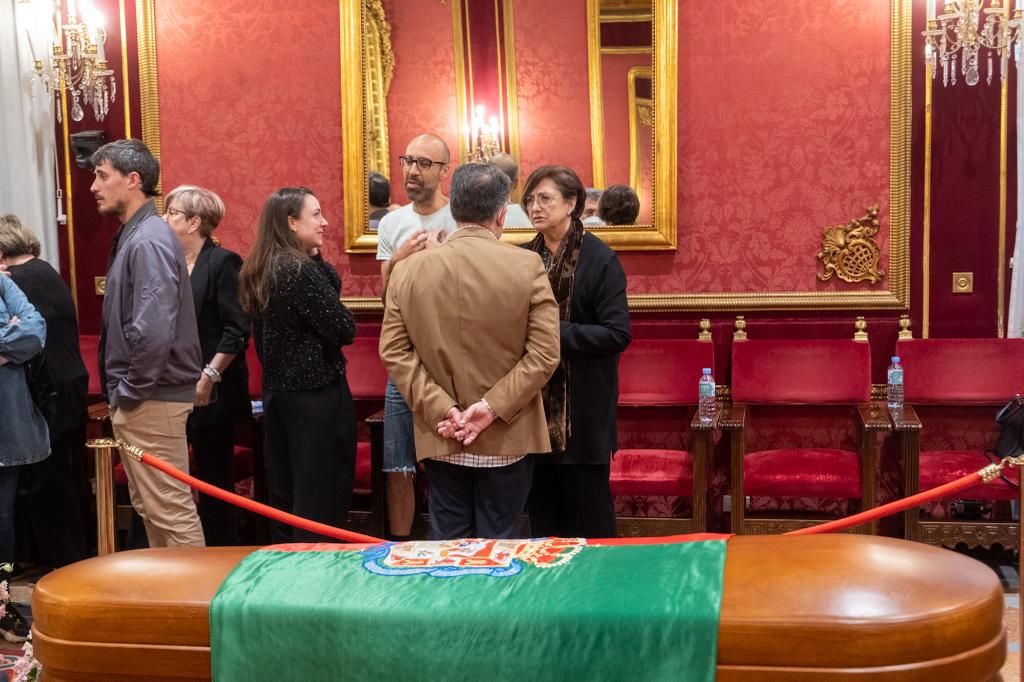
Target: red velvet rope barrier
x: 253, y: 506
x: 941, y: 491
x: 947, y: 490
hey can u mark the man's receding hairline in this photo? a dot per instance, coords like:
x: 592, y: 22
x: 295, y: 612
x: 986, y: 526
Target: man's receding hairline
x: 434, y: 140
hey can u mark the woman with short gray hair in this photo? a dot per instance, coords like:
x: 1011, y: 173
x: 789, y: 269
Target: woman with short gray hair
x: 222, y: 390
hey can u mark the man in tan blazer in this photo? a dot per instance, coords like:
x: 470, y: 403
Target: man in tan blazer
x: 470, y: 336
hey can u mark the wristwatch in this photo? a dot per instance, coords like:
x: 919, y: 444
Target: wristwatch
x: 212, y: 373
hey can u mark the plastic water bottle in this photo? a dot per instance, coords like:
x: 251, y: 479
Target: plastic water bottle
x: 706, y: 405
x: 894, y: 385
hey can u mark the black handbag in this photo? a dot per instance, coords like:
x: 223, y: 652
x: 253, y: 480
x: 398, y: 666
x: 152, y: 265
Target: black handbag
x: 1011, y: 434
x: 40, y: 385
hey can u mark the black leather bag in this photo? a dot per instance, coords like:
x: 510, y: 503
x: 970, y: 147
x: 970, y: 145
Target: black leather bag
x: 1011, y: 434
x: 40, y: 386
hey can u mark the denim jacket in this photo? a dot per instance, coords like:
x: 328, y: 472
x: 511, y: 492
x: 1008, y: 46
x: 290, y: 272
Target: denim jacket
x: 23, y: 435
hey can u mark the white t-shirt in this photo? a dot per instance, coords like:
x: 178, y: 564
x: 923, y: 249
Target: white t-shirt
x: 402, y: 223
x: 516, y: 217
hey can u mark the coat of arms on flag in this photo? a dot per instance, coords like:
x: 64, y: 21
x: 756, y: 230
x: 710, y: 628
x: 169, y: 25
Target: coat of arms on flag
x: 450, y: 558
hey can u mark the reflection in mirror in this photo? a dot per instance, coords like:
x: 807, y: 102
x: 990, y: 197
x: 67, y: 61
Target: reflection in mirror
x: 578, y: 88
x: 621, y: 97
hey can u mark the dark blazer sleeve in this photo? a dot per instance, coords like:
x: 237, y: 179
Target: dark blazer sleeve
x: 235, y: 335
x: 604, y: 287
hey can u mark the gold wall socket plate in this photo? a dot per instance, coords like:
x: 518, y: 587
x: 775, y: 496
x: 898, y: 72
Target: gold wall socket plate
x: 101, y: 285
x: 963, y: 282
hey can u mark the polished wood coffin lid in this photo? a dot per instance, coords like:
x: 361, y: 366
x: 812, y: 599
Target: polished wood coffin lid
x: 814, y: 607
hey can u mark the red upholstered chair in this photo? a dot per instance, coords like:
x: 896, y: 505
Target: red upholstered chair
x: 953, y: 391
x: 667, y: 446
x: 367, y: 379
x: 99, y: 414
x: 804, y: 405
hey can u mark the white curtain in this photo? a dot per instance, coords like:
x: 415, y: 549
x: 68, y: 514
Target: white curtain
x: 27, y: 139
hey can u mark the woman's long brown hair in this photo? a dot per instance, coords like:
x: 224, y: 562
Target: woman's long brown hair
x: 274, y: 241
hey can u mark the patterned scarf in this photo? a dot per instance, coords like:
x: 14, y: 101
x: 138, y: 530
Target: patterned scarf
x: 562, y: 274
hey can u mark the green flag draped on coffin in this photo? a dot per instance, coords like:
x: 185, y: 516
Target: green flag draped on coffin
x: 543, y: 609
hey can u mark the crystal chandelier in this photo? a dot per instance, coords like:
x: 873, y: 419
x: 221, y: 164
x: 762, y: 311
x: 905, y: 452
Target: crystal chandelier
x: 963, y: 28
x: 77, y: 66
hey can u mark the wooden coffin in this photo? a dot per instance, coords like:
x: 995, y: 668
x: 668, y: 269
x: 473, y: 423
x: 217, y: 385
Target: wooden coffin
x: 813, y: 607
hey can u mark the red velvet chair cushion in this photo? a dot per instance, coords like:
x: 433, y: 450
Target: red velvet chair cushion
x: 363, y: 474
x: 801, y: 371
x: 663, y: 371
x: 652, y: 472
x: 939, y: 467
x: 802, y: 472
x: 986, y: 371
x: 365, y: 372
x: 90, y: 348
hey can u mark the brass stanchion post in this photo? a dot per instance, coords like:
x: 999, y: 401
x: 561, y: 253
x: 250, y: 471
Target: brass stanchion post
x: 103, y: 449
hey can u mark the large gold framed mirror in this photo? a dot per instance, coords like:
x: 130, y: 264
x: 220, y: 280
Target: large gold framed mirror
x: 622, y: 118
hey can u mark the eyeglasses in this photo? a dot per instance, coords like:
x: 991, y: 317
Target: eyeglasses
x: 423, y: 164
x: 176, y: 211
x: 544, y: 201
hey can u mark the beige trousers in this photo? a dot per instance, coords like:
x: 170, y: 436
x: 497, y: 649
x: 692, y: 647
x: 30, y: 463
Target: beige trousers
x: 165, y: 505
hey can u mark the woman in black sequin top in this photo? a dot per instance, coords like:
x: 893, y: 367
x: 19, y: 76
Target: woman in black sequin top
x: 299, y: 326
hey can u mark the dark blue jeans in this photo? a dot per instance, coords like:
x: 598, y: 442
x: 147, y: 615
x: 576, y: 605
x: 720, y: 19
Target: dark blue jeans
x: 8, y: 490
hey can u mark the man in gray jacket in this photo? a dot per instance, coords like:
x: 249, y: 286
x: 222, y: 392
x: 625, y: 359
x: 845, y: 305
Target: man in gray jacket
x: 150, y: 359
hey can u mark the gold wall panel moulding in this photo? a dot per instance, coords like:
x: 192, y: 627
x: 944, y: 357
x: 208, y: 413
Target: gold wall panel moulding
x: 664, y: 234
x: 100, y: 283
x: 352, y: 122
x: 145, y: 19
x: 741, y: 301
x: 849, y: 251
x: 963, y: 282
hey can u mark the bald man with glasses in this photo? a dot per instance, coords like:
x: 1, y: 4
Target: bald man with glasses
x: 423, y: 223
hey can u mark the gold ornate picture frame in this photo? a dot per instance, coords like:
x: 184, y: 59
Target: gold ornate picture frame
x: 897, y: 296
x: 661, y: 235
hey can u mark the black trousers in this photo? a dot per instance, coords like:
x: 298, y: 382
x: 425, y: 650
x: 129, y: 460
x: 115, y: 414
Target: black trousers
x: 52, y: 506
x: 310, y: 446
x: 571, y: 500
x: 213, y: 453
x: 470, y: 502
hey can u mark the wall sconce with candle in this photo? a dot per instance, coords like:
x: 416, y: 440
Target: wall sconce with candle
x: 484, y: 137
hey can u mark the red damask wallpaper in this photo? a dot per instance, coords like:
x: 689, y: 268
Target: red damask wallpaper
x: 615, y: 95
x: 552, y: 81
x: 422, y: 96
x: 257, y: 108
x: 775, y: 143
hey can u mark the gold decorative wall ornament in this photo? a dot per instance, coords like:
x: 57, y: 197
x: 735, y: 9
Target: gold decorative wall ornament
x: 849, y: 251
x: 740, y: 333
x: 380, y: 68
x: 705, y: 331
